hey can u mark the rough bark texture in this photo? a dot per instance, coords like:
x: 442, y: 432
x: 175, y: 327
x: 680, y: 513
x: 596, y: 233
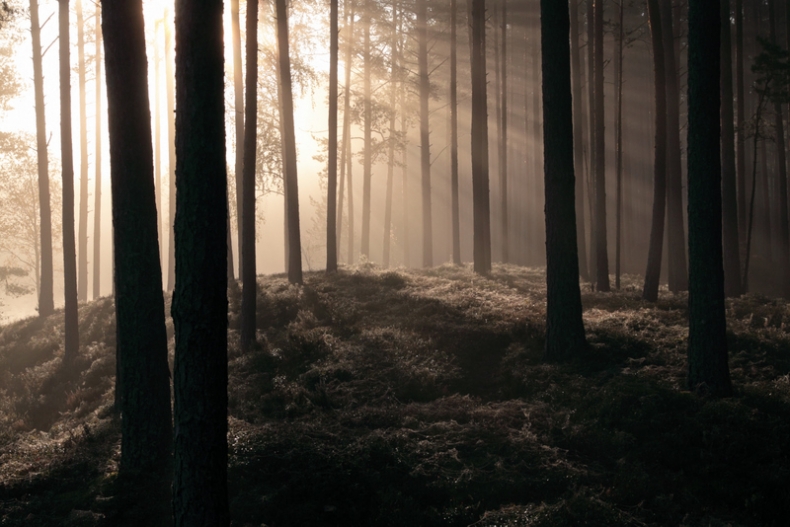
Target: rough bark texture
x: 578, y: 139
x: 425, y: 142
x: 82, y: 233
x: 707, y: 351
x: 46, y: 300
x: 200, y: 302
x: 602, y: 256
x: 97, y: 165
x: 732, y: 265
x: 248, y: 265
x: 677, y: 271
x: 140, y: 311
x: 455, y: 206
x: 653, y: 272
x: 331, y: 200
x: 480, y: 197
x: 71, y: 342
x: 289, y: 147
x: 564, y: 327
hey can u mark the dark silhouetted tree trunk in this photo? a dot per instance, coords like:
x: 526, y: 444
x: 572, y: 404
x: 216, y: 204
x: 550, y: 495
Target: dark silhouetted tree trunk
x: 677, y: 271
x: 564, y: 327
x: 345, y: 153
x: 503, y: 142
x: 200, y: 300
x: 248, y: 266
x: 740, y: 118
x: 331, y: 201
x: 732, y: 265
x: 171, y: 134
x: 591, y: 189
x: 455, y: 206
x: 289, y: 147
x: 46, y: 300
x: 480, y: 197
x: 425, y: 143
x: 618, y: 148
x: 140, y: 310
x: 82, y: 234
x: 367, y: 117
x: 72, y: 338
x: 707, y: 351
x: 238, y: 119
x: 391, y: 146
x: 578, y: 139
x: 97, y: 163
x: 602, y: 257
x: 653, y: 272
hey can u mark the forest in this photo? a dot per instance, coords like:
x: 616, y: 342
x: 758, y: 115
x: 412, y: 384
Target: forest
x: 394, y: 262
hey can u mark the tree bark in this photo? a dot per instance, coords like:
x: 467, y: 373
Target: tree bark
x: 140, y: 313
x: 345, y: 153
x: 480, y: 193
x: 652, y: 275
x: 454, y: 187
x: 707, y: 348
x: 367, y: 116
x: 740, y: 118
x: 97, y: 163
x: 391, y: 146
x: 503, y: 142
x: 425, y: 144
x: 602, y: 257
x: 200, y: 302
x: 564, y: 326
x: 618, y: 134
x: 578, y: 139
x: 71, y: 338
x: 171, y: 134
x: 331, y: 200
x: 248, y: 268
x: 732, y: 265
x: 82, y: 234
x: 289, y: 147
x: 46, y: 300
x: 238, y: 120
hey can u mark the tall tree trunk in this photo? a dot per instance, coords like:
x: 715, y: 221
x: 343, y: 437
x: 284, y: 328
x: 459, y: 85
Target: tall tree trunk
x: 248, y: 265
x: 289, y: 147
x: 591, y: 188
x: 652, y: 275
x: 391, y: 146
x: 97, y: 163
x: 618, y: 134
x: 602, y: 258
x: 538, y: 236
x: 781, y: 172
x: 480, y: 197
x: 367, y: 116
x: 455, y: 206
x: 238, y: 120
x: 200, y: 301
x: 171, y: 141
x: 425, y: 145
x: 46, y: 300
x: 578, y: 139
x: 740, y: 118
x: 731, y: 248
x: 157, y: 136
x: 331, y: 200
x: 564, y: 326
x: 71, y: 338
x: 140, y: 311
x: 82, y: 234
x: 503, y: 141
x: 707, y: 351
x: 677, y: 271
x: 345, y: 153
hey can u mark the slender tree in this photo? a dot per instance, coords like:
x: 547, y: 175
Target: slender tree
x: 171, y: 140
x: 618, y: 148
x: 503, y: 141
x: 200, y: 302
x: 238, y: 119
x: 140, y: 310
x: 425, y: 143
x: 46, y: 300
x: 732, y: 265
x: 331, y: 201
x: 97, y: 163
x: 82, y: 234
x: 480, y: 197
x: 564, y: 326
x: 391, y: 146
x: 345, y: 153
x: 578, y: 138
x: 158, y: 136
x: 602, y: 257
x: 248, y: 265
x: 71, y: 337
x: 367, y: 117
x: 653, y: 272
x: 740, y: 119
x: 455, y: 204
x: 289, y: 147
x: 707, y: 348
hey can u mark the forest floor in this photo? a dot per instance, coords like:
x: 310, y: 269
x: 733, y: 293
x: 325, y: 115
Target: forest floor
x: 420, y: 398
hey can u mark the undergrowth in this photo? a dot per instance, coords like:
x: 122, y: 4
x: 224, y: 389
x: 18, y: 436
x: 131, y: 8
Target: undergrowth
x: 396, y: 398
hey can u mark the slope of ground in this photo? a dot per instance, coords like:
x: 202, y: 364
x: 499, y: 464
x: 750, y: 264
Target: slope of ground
x: 396, y: 398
